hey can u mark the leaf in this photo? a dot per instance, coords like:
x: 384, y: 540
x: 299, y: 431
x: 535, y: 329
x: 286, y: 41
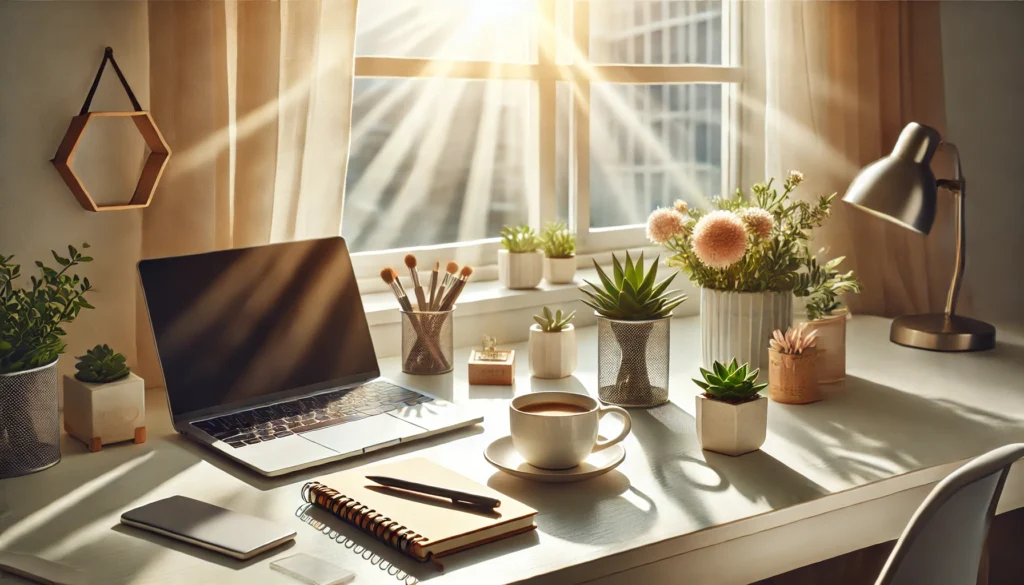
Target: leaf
x: 61, y: 261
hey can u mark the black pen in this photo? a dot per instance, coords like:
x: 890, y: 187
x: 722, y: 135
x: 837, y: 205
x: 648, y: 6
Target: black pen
x: 455, y: 496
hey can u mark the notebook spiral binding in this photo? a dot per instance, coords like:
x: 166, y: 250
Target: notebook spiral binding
x: 366, y: 519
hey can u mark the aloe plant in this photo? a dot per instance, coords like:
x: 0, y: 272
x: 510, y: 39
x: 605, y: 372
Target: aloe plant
x: 101, y: 365
x: 730, y: 383
x: 519, y: 239
x: 558, y: 241
x: 631, y: 294
x: 553, y: 322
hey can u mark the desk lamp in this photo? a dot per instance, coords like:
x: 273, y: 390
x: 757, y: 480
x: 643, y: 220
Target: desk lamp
x: 901, y: 188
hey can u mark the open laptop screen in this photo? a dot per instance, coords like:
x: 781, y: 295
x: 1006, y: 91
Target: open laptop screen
x: 238, y: 326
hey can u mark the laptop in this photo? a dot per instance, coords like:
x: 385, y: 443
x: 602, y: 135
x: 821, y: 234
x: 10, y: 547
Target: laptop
x: 267, y: 358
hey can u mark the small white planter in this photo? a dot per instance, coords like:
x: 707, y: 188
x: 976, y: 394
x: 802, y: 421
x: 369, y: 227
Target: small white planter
x: 560, y: 270
x: 522, y: 270
x: 831, y: 344
x: 552, y: 354
x: 101, y: 414
x: 738, y: 325
x: 732, y: 429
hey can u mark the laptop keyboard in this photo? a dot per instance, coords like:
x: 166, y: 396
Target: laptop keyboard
x: 306, y: 414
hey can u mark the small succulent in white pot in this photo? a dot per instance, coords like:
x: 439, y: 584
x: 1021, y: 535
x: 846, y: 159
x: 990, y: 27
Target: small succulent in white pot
x: 792, y: 359
x: 552, y: 345
x: 104, y: 402
x: 822, y: 287
x: 559, y: 244
x: 732, y: 416
x: 520, y: 261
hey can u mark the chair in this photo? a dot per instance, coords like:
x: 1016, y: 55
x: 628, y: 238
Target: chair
x: 943, y: 542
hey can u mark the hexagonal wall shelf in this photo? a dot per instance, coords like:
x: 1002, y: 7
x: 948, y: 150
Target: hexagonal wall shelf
x: 151, y: 171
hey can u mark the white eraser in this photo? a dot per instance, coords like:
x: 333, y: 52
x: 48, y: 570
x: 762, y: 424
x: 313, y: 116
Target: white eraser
x: 312, y: 570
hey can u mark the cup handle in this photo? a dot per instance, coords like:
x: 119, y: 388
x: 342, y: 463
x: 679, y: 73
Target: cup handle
x: 627, y: 424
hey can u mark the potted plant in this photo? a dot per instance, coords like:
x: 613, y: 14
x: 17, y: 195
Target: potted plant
x: 746, y: 255
x: 732, y: 417
x: 559, y: 246
x: 633, y: 314
x: 822, y: 285
x: 552, y: 345
x: 31, y: 339
x: 792, y: 372
x: 520, y: 262
x: 104, y: 402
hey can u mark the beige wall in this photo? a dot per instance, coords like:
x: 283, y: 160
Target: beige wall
x: 49, y: 52
x: 983, y: 56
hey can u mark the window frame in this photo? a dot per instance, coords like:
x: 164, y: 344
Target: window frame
x: 545, y: 74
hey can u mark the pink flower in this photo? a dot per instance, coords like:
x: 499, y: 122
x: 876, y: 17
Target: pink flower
x: 680, y: 206
x: 665, y: 224
x: 720, y: 239
x: 758, y: 221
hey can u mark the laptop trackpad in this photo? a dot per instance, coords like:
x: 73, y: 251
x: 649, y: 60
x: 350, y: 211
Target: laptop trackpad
x: 364, y: 435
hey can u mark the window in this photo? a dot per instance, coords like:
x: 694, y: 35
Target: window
x: 472, y: 114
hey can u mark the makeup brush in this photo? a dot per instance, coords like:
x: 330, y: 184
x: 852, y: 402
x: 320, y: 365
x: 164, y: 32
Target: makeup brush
x: 447, y: 283
x: 421, y: 302
x: 433, y: 284
x: 460, y: 283
x: 390, y: 277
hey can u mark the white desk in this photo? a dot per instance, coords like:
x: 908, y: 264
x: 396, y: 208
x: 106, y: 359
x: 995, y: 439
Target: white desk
x: 832, y: 477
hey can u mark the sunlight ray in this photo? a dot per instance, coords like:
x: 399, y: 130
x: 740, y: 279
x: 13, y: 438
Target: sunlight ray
x: 473, y: 218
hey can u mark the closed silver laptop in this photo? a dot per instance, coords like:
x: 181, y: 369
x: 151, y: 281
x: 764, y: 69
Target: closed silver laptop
x: 267, y: 358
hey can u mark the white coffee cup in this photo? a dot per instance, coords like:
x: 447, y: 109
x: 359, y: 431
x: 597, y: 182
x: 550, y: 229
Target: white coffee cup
x: 561, y: 436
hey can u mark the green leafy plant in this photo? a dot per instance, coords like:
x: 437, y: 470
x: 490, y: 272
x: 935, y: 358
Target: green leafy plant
x: 101, y: 365
x: 731, y: 383
x: 631, y: 294
x: 558, y: 241
x: 519, y: 239
x: 553, y: 322
x: 31, y: 318
x: 822, y: 286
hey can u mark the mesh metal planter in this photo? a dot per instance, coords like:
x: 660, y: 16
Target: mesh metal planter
x: 29, y: 421
x: 633, y: 361
x: 427, y: 342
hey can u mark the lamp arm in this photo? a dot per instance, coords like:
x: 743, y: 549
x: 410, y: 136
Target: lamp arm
x: 958, y: 187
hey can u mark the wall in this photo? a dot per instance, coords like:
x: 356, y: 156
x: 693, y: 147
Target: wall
x: 983, y: 60
x: 49, y: 52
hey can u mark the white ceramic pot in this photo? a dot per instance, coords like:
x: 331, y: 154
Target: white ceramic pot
x: 732, y: 429
x: 560, y: 270
x: 552, y: 354
x: 522, y: 270
x: 831, y: 345
x: 739, y: 325
x: 101, y: 414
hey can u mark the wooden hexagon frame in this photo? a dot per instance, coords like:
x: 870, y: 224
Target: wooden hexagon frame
x: 151, y: 171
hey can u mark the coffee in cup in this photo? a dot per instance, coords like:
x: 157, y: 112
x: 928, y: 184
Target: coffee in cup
x: 558, y: 430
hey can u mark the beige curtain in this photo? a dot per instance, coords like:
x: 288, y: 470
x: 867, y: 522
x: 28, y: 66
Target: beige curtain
x: 255, y: 99
x: 841, y: 79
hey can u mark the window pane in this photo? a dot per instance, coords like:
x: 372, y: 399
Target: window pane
x: 645, y: 157
x: 435, y: 161
x: 661, y: 32
x: 476, y: 30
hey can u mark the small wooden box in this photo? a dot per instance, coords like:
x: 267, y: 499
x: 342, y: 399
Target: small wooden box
x: 492, y: 368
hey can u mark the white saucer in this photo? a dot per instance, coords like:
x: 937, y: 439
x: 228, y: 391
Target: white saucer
x: 504, y: 456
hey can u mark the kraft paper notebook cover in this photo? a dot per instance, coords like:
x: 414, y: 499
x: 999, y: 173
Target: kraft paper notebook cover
x: 418, y: 525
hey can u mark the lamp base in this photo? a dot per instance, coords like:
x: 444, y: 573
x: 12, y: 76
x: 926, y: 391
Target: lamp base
x: 941, y: 332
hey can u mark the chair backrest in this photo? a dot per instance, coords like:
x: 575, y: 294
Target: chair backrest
x: 942, y: 544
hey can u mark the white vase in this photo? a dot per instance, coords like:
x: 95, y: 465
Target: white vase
x: 552, y: 354
x: 831, y: 344
x: 732, y: 429
x: 520, y: 270
x: 101, y: 414
x: 560, y: 270
x: 738, y: 325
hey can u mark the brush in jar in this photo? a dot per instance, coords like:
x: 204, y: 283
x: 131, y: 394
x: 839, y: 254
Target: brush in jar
x: 433, y: 284
x: 390, y: 278
x: 446, y: 284
x: 456, y: 290
x: 417, y: 288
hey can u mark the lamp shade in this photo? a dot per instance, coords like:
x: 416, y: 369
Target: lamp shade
x: 901, y: 187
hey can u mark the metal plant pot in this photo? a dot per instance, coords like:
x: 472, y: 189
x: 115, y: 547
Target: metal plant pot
x: 29, y: 421
x: 633, y: 360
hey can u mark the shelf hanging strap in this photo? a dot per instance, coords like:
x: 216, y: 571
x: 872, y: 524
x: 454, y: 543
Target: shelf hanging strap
x: 108, y: 55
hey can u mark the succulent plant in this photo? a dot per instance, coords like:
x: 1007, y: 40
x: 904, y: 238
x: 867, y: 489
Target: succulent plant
x: 101, y: 365
x: 558, y: 241
x: 631, y: 294
x: 795, y: 341
x: 553, y: 322
x: 731, y: 383
x: 519, y: 239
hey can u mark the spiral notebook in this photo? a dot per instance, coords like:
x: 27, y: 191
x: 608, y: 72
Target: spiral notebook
x: 418, y: 525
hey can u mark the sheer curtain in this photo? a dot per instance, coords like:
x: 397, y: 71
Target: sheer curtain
x: 832, y: 85
x: 255, y: 99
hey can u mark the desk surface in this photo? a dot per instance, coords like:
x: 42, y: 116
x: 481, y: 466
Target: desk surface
x: 903, y: 419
